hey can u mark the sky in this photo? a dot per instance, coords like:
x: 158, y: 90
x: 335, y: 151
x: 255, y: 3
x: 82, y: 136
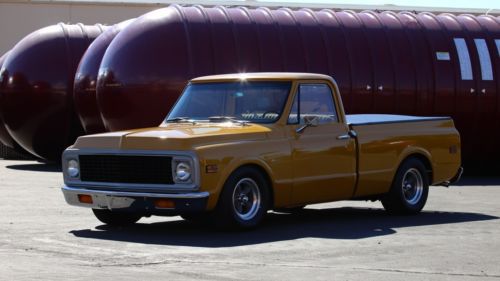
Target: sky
x: 483, y: 4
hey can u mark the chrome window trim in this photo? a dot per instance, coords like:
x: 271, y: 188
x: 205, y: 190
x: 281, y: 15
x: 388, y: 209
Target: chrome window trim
x: 73, y: 153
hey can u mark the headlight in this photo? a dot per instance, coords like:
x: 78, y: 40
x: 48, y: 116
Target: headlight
x: 73, y: 168
x: 183, y: 171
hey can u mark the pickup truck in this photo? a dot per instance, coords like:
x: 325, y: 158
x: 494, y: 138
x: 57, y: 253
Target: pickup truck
x: 236, y: 146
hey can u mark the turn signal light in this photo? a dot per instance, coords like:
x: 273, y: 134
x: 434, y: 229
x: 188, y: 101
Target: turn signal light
x: 211, y: 169
x: 83, y: 198
x: 164, y: 203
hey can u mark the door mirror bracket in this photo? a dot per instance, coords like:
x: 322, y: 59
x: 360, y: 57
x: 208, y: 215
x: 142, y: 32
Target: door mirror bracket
x: 309, y: 121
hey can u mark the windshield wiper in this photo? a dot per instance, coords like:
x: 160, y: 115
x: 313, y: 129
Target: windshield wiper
x: 219, y: 119
x: 180, y: 120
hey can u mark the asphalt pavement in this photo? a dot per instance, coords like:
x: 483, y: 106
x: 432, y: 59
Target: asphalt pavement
x: 456, y: 237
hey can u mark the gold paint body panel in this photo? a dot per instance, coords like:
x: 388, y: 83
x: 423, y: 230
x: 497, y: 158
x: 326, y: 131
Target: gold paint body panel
x: 303, y: 168
x: 382, y: 147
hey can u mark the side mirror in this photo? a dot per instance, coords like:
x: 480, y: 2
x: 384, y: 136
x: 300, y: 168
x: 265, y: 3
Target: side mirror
x: 309, y: 121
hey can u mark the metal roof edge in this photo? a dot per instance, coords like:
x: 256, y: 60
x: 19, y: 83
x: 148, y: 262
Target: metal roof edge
x: 253, y: 3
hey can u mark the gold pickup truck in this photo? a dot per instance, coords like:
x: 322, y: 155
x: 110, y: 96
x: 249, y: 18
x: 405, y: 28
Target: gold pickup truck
x: 236, y: 146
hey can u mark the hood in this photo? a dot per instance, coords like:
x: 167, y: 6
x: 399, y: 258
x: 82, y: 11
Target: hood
x: 173, y: 136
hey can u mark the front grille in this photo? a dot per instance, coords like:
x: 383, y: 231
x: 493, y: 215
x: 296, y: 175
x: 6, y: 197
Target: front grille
x: 126, y: 169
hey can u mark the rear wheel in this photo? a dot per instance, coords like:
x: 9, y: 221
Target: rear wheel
x: 115, y: 218
x: 409, y: 190
x: 244, y: 199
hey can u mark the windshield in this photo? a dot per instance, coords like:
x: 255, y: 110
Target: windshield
x: 256, y: 102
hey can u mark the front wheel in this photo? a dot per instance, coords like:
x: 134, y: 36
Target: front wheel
x: 115, y: 218
x: 409, y: 191
x: 244, y: 199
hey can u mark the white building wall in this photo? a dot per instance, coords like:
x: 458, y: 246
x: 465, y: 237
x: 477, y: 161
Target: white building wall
x: 21, y: 17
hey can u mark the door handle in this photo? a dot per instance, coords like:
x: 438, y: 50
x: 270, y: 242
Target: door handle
x: 344, y: 137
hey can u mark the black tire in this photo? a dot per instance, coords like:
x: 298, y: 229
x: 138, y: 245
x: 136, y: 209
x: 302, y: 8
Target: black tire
x: 116, y: 218
x: 244, y: 200
x: 292, y: 210
x: 409, y: 190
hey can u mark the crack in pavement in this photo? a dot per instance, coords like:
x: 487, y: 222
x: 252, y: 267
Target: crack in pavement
x: 187, y: 261
x: 198, y: 276
x: 430, y: 273
x: 134, y: 264
x: 174, y: 261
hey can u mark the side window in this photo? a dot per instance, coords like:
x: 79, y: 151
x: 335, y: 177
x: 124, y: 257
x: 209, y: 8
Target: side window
x: 313, y: 100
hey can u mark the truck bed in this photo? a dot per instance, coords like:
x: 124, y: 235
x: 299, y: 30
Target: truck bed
x: 368, y: 119
x: 383, y: 141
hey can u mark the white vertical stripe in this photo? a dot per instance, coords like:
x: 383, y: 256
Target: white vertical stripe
x: 484, y: 59
x: 497, y: 41
x: 463, y: 58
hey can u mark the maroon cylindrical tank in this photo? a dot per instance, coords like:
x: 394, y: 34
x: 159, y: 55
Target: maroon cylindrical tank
x: 37, y: 88
x: 5, y: 137
x: 86, y: 80
x: 400, y: 63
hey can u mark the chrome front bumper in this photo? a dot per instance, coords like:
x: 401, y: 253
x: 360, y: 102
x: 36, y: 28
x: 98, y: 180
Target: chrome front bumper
x: 136, y: 201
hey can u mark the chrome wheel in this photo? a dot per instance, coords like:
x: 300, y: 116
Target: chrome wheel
x: 409, y: 190
x: 246, y: 199
x: 413, y: 186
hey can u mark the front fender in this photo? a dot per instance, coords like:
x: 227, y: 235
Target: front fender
x: 272, y: 157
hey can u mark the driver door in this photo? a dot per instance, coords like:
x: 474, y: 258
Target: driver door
x: 323, y: 158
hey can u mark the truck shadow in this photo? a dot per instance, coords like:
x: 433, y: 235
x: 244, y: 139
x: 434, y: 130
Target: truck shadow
x: 336, y: 223
x: 478, y: 181
x: 36, y: 167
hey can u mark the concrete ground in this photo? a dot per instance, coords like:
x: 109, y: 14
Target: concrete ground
x: 457, y: 237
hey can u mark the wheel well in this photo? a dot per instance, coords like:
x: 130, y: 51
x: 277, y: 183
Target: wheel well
x: 428, y: 166
x: 266, y: 177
